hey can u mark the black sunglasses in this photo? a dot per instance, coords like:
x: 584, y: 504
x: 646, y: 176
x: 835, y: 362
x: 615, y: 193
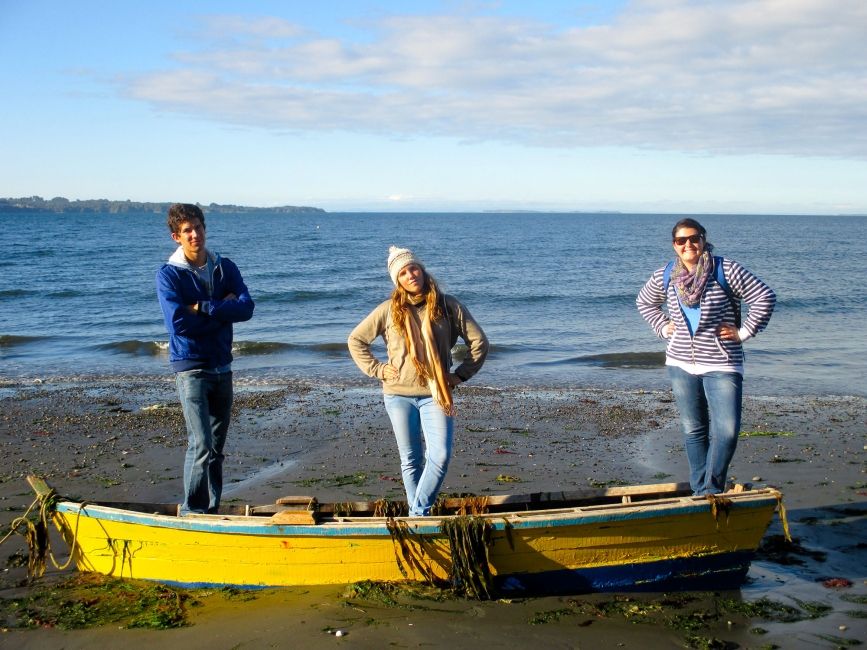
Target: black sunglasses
x: 693, y: 239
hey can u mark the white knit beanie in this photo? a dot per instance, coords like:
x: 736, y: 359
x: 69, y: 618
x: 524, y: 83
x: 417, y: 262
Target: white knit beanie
x: 399, y: 258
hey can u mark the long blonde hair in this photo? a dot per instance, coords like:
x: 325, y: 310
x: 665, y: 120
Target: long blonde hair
x: 401, y: 300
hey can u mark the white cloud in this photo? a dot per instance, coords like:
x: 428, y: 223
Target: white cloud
x: 237, y: 26
x: 726, y: 76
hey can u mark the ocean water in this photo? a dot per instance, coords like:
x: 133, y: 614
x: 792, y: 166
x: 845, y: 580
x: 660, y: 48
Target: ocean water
x: 554, y: 292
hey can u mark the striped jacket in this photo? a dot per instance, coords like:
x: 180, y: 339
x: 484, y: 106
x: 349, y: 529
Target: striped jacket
x: 705, y: 351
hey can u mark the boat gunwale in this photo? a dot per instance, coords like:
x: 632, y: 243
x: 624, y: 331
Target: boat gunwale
x: 378, y: 526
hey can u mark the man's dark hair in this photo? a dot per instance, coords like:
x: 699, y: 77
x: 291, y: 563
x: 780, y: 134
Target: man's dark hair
x: 181, y: 212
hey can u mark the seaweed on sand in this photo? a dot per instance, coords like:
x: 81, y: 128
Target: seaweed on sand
x: 391, y: 594
x: 91, y: 600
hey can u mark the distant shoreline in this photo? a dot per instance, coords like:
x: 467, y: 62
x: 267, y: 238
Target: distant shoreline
x: 62, y: 205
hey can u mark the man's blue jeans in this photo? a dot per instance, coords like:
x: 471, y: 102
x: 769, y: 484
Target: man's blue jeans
x: 710, y: 414
x: 423, y: 470
x: 206, y: 398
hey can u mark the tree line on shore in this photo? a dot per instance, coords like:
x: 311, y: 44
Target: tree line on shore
x: 60, y: 204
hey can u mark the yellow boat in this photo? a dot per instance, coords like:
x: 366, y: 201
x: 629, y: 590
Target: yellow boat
x: 645, y: 537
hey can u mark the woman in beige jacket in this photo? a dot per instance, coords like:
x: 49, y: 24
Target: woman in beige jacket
x: 419, y: 325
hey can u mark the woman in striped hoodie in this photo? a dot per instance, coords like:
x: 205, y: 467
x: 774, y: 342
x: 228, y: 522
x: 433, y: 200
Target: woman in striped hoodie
x: 705, y: 356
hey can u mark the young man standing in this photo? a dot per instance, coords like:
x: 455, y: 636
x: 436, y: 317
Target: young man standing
x: 201, y: 295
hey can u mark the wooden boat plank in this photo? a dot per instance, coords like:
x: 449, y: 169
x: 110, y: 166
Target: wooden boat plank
x: 583, y: 495
x: 500, y: 502
x: 296, y: 517
x: 306, y: 501
x: 39, y: 486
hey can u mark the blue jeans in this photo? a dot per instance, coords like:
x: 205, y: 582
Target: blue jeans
x: 710, y: 414
x: 423, y: 470
x: 206, y: 398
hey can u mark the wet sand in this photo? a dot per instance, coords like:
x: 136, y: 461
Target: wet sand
x: 125, y: 441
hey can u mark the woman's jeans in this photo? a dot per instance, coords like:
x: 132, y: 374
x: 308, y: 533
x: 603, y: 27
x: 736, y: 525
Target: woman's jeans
x: 206, y: 398
x: 423, y: 470
x: 710, y: 414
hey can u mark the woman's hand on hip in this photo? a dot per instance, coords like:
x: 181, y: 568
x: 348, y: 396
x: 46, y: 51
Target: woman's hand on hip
x: 389, y: 372
x: 453, y: 380
x: 728, y: 332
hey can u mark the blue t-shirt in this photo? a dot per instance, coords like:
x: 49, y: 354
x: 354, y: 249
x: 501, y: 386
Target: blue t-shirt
x: 692, y: 316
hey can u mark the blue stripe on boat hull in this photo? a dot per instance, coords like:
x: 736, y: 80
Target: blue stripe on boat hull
x: 707, y: 573
x: 713, y: 572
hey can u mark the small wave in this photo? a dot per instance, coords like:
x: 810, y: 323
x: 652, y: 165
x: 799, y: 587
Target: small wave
x: 572, y: 300
x: 513, y: 348
x: 65, y: 293
x: 521, y: 300
x: 13, y: 293
x: 274, y: 347
x: 330, y: 347
x: 260, y: 347
x: 634, y: 360
x: 577, y: 300
x: 332, y: 350
x: 296, y: 296
x: 13, y: 340
x: 242, y: 348
x: 624, y: 360
x: 834, y: 304
x: 135, y: 348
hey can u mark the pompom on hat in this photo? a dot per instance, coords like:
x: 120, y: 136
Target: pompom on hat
x: 399, y: 258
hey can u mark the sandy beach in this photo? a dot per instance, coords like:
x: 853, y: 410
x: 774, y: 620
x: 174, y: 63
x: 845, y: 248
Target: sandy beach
x: 125, y: 441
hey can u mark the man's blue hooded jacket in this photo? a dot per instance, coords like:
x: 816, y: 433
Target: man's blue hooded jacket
x: 201, y: 339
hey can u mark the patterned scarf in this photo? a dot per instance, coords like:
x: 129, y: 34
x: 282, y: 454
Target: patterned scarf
x: 690, y: 284
x: 426, y: 358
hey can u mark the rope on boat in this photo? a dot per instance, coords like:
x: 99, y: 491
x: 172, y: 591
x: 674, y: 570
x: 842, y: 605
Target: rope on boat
x: 35, y: 533
x: 469, y: 539
x: 18, y: 521
x: 781, y: 509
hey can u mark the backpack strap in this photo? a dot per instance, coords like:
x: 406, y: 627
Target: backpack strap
x: 666, y: 277
x: 720, y: 276
x: 450, y: 319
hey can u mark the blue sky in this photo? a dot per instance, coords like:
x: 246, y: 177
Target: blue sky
x: 739, y: 106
